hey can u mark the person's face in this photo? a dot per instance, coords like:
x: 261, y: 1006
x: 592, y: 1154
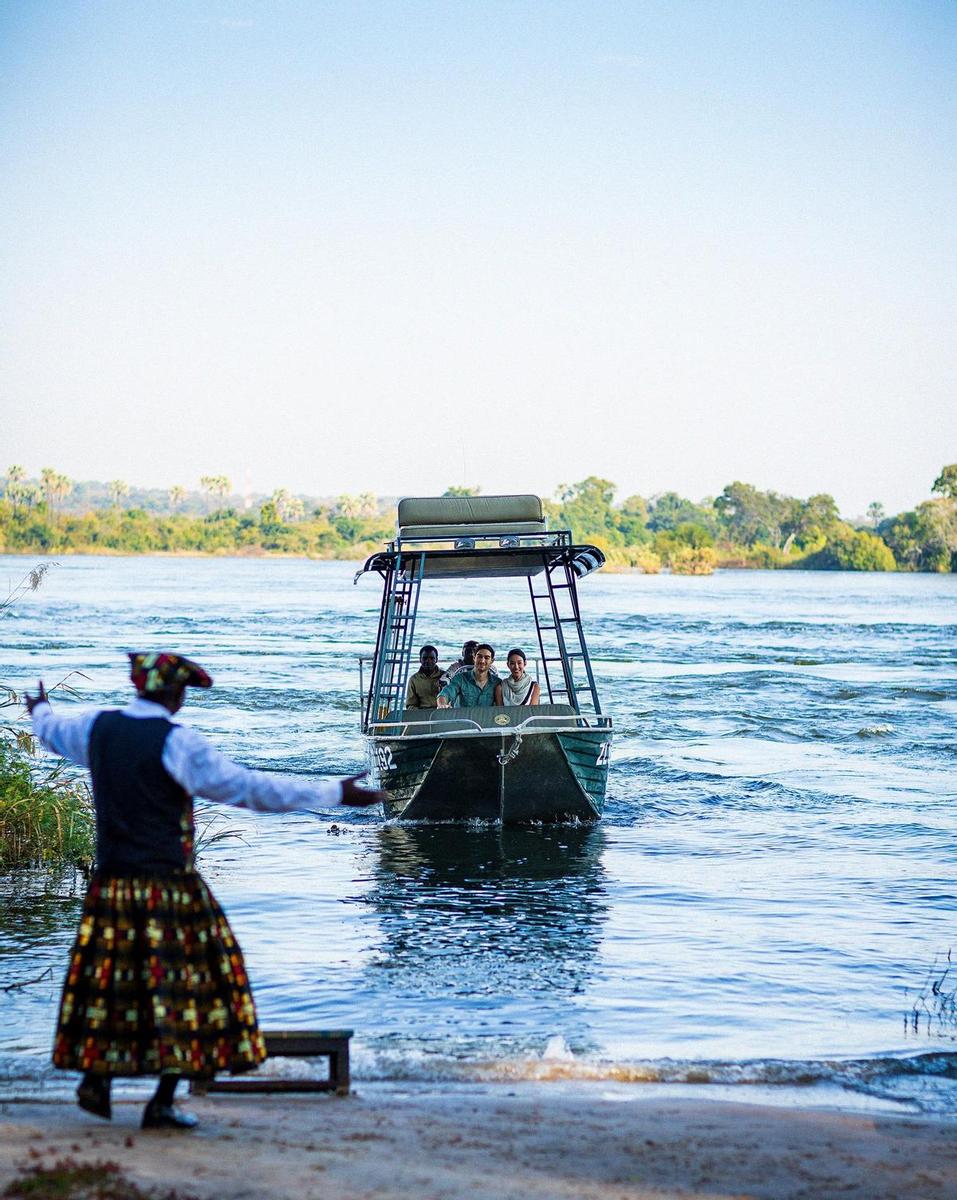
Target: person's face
x: 428, y: 660
x: 468, y: 653
x: 516, y: 664
x: 483, y: 660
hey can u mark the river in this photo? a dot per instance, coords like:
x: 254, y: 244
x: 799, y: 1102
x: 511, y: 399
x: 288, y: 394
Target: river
x: 767, y: 902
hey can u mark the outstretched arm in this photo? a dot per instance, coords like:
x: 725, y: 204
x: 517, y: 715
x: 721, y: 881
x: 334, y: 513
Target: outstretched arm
x: 203, y: 771
x: 67, y: 736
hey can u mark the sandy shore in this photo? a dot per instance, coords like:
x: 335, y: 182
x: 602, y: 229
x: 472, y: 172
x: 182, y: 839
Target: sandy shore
x: 515, y: 1145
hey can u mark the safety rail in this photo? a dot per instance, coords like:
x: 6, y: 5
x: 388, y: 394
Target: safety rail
x: 573, y: 721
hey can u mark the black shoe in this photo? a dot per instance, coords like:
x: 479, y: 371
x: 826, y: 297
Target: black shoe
x: 93, y: 1096
x: 167, y: 1116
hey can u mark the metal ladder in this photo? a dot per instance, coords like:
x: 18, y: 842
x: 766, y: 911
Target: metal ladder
x: 560, y: 636
x: 395, y: 639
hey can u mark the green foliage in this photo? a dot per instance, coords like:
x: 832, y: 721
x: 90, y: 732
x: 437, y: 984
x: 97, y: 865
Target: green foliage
x: 924, y: 539
x: 744, y: 526
x: 586, y: 509
x: 946, y: 482
x: 46, y: 818
x: 850, y: 549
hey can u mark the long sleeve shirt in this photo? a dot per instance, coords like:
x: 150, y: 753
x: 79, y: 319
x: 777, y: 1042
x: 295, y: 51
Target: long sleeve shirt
x: 464, y: 692
x: 191, y: 760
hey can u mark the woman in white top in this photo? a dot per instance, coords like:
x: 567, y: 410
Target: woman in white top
x: 517, y: 687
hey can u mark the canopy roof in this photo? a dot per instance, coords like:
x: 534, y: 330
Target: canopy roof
x: 488, y: 562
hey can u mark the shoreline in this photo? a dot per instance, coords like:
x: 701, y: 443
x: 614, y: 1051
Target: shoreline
x: 512, y: 1143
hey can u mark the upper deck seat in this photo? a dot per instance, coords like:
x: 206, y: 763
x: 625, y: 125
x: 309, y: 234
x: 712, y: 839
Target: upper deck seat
x: 468, y: 516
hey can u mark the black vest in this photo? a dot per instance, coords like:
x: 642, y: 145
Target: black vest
x: 142, y: 813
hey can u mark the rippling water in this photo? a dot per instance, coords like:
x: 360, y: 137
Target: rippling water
x: 768, y: 900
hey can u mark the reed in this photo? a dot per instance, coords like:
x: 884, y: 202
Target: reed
x: 46, y: 816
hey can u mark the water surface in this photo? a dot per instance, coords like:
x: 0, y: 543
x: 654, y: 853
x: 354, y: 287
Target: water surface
x: 768, y: 900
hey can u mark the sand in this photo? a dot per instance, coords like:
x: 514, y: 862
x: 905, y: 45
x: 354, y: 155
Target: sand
x: 516, y: 1143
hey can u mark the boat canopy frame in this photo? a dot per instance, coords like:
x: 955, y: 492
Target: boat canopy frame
x: 493, y: 544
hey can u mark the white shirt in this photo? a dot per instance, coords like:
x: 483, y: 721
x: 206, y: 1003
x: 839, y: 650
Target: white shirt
x: 190, y: 759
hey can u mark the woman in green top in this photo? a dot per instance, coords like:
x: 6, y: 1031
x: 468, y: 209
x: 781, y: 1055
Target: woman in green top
x: 473, y: 688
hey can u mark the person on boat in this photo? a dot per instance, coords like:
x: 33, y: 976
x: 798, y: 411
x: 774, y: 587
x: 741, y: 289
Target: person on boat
x: 424, y: 685
x: 156, y: 983
x: 461, y: 664
x: 475, y: 686
x: 517, y: 687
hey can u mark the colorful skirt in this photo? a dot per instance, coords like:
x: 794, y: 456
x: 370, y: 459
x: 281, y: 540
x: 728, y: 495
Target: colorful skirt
x: 156, y: 983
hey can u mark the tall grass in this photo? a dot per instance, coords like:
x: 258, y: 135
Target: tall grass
x: 46, y: 816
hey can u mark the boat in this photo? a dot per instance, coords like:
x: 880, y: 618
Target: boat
x: 512, y: 765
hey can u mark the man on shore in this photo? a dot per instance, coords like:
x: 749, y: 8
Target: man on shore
x: 156, y: 983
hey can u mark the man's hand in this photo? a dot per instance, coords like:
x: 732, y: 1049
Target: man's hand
x: 354, y: 796
x: 32, y: 701
x: 442, y: 702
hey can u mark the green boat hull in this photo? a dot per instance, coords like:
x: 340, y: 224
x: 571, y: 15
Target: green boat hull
x: 511, y: 776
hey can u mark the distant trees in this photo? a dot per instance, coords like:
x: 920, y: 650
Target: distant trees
x: 215, y: 485
x: 946, y: 483
x: 119, y: 489
x: 462, y: 491
x: 743, y: 526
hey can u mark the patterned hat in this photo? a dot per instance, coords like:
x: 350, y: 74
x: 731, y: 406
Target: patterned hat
x: 160, y: 672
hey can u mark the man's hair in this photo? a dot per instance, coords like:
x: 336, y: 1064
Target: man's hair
x: 485, y: 646
x: 470, y: 645
x: 425, y: 648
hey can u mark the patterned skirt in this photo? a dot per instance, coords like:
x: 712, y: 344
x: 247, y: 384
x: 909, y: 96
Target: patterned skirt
x: 156, y: 983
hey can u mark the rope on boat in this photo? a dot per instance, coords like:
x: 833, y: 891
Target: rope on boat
x: 505, y: 759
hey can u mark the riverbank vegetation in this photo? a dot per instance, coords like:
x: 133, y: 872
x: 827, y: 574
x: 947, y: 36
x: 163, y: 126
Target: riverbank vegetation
x: 742, y: 527
x: 46, y: 816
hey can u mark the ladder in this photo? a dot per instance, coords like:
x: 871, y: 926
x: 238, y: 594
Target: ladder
x: 565, y: 660
x: 393, y: 656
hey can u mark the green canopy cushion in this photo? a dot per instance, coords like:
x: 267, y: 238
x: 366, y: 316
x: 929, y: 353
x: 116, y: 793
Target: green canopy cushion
x: 464, y: 516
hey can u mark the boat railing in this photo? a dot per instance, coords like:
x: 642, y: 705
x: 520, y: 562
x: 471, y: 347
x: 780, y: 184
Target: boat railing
x: 464, y: 538
x: 466, y: 727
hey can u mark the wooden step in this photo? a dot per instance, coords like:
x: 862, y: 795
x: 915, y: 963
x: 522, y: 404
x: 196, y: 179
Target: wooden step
x: 292, y: 1043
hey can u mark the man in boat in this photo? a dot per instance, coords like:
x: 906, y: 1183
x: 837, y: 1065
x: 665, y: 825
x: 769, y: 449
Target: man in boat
x: 424, y: 685
x: 156, y: 983
x: 475, y: 686
x: 461, y: 664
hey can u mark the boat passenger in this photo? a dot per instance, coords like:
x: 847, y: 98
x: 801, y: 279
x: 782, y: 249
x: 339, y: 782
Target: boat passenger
x: 517, y: 687
x: 424, y: 685
x: 475, y: 686
x: 461, y: 664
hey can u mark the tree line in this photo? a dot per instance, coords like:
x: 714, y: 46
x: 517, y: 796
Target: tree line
x: 742, y: 527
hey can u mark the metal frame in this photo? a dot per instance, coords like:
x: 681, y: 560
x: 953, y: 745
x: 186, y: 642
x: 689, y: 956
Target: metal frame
x: 558, y: 626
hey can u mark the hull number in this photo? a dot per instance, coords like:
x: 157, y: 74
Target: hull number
x: 383, y: 758
x: 604, y: 754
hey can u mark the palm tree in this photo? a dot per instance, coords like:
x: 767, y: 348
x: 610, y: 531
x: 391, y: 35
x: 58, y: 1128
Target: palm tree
x: 177, y: 495
x: 14, y: 485
x: 48, y: 482
x: 118, y: 489
x: 215, y: 485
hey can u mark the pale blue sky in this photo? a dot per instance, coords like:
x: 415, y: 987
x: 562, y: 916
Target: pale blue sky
x: 390, y: 247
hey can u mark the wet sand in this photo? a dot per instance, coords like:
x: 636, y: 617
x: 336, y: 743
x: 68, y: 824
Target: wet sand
x: 517, y: 1144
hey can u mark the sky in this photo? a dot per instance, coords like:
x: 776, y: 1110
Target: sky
x: 391, y: 247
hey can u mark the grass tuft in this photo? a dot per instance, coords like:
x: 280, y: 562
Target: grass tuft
x: 68, y: 1179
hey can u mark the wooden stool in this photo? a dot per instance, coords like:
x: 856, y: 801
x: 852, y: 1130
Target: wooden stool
x: 293, y: 1043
